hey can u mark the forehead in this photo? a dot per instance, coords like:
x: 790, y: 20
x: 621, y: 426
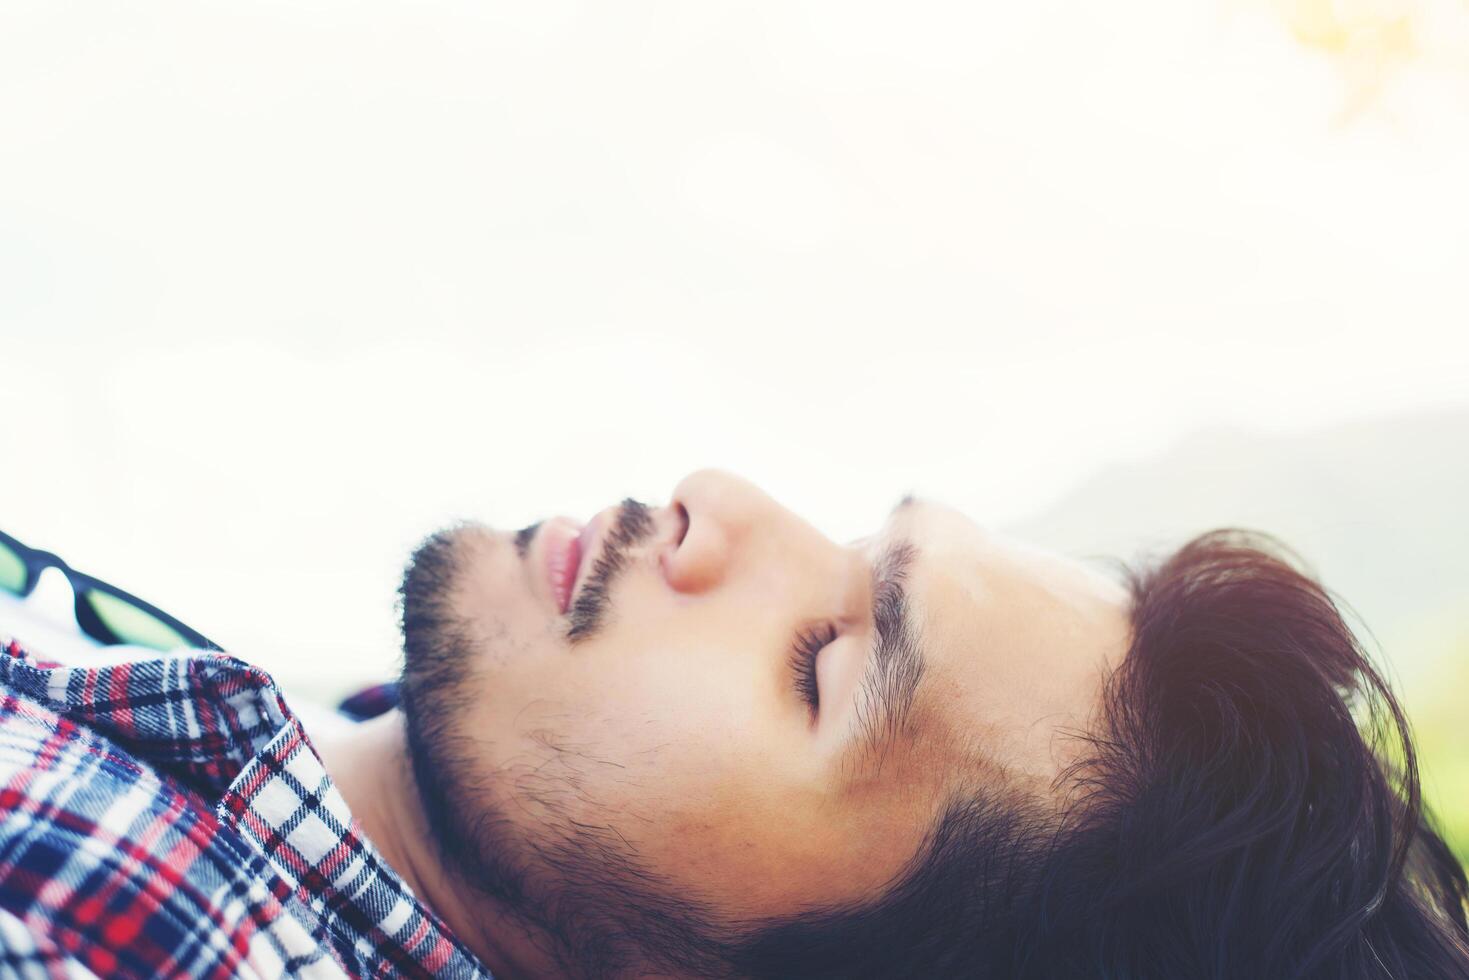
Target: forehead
x: 1017, y: 640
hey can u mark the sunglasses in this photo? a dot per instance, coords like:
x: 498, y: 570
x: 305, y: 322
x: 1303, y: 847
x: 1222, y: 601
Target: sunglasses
x: 104, y: 612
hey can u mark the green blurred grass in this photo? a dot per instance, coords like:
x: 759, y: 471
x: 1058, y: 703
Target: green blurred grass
x: 1443, y: 746
x: 1447, y: 791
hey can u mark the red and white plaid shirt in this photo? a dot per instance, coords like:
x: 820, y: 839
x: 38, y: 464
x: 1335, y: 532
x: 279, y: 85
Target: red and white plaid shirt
x: 171, y: 818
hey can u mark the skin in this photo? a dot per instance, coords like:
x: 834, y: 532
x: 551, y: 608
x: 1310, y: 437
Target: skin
x: 677, y: 727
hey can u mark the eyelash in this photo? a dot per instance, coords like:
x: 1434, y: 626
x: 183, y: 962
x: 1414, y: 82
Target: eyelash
x: 808, y: 644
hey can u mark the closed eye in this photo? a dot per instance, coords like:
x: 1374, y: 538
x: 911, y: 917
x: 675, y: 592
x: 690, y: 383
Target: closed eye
x: 808, y: 643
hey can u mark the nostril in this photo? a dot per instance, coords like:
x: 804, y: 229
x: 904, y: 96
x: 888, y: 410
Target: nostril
x: 682, y: 514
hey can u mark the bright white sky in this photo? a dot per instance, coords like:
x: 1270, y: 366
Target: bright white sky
x: 285, y: 286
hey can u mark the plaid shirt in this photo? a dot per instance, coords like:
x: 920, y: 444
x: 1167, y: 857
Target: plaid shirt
x: 171, y: 818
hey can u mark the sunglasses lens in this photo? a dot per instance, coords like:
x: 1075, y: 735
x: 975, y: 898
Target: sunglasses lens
x: 12, y: 571
x: 133, y: 625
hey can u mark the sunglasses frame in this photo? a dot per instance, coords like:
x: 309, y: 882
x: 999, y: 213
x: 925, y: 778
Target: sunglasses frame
x: 37, y: 561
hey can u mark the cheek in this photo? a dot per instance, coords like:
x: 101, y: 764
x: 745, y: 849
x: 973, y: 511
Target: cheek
x: 688, y: 733
x: 645, y: 729
x: 720, y: 795
x: 686, y: 760
x: 689, y: 748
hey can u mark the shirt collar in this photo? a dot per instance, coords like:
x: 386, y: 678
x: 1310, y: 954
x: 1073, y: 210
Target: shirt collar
x: 223, y: 728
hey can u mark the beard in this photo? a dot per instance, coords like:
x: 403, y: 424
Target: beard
x: 603, y: 912
x: 434, y: 688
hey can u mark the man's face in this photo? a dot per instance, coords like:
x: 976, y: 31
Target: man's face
x: 666, y: 715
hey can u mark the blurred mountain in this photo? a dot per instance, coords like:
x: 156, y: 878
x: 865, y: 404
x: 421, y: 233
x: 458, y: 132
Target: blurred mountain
x: 1378, y: 508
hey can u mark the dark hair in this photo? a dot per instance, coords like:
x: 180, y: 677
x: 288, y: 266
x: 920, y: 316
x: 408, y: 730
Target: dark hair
x: 1247, y: 807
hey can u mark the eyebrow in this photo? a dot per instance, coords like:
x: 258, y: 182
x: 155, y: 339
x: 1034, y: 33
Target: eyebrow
x: 895, y: 663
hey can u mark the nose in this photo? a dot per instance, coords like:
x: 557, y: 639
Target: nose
x: 730, y: 523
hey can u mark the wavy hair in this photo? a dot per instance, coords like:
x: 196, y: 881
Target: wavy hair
x: 1248, y: 807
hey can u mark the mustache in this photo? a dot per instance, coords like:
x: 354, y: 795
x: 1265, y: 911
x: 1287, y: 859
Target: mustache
x: 633, y: 526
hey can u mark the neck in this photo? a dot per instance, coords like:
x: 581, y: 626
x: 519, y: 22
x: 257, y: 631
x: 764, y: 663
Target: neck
x: 370, y: 765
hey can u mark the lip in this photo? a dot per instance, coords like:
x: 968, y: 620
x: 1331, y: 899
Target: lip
x: 562, y: 554
x: 588, y: 542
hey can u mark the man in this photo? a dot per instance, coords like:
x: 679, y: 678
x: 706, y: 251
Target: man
x: 704, y: 740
